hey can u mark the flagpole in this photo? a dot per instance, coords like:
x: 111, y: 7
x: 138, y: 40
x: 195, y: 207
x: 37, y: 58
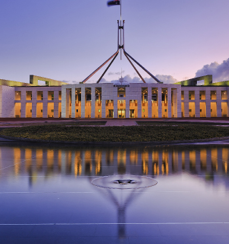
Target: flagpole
x: 120, y: 29
x: 120, y: 10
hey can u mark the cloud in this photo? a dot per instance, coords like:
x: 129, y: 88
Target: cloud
x: 116, y: 73
x: 167, y: 79
x: 220, y: 72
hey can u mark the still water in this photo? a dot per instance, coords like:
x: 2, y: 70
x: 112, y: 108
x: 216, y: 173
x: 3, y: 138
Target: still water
x: 48, y: 193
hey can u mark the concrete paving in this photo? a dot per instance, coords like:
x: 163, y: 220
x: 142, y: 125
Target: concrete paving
x: 121, y: 122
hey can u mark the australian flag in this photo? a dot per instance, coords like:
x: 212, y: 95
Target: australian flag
x: 113, y: 2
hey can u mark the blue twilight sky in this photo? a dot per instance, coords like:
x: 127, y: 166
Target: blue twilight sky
x: 68, y: 39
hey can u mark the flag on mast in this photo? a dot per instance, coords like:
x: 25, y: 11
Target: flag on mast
x: 113, y: 2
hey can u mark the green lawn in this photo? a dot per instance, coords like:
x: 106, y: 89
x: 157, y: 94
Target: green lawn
x: 117, y: 134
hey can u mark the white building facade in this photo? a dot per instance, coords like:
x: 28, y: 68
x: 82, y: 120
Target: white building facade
x: 108, y: 100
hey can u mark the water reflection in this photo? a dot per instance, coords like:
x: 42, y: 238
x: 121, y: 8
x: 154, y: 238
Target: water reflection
x: 57, y: 182
x: 94, y: 162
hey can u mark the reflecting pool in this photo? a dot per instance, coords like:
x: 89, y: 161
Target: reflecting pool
x: 47, y: 194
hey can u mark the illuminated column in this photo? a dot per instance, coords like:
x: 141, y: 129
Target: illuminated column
x: 208, y: 103
x: 82, y: 101
x: 159, y: 102
x: 34, y: 104
x: 23, y: 103
x: 197, y: 103
x: 178, y: 102
x: 169, y: 101
x: 73, y: 115
x: 186, y: 103
x: 218, y: 102
x: 149, y: 102
x: 45, y: 104
x: 56, y: 103
x: 67, y: 102
x: 63, y: 102
x: 92, y: 102
x: 127, y: 108
x: 115, y: 107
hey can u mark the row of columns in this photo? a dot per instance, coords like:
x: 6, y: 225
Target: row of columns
x: 34, y: 102
x: 66, y: 96
x: 207, y: 101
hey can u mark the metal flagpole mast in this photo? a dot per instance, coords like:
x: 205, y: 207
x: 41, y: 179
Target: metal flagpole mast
x: 120, y: 29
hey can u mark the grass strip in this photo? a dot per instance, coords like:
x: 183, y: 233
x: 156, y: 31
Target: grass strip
x: 117, y: 134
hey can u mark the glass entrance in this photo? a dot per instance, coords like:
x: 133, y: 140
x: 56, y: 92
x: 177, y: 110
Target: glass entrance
x: 111, y: 113
x: 121, y: 113
x: 132, y: 113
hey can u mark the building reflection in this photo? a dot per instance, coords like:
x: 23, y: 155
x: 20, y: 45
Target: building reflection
x: 94, y: 162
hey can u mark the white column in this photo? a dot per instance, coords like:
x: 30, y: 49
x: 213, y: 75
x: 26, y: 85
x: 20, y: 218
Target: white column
x: 159, y: 102
x: 34, y: 104
x: 178, y: 102
x: 115, y: 107
x: 169, y: 101
x: 23, y: 103
x: 218, y: 103
x: 82, y: 101
x: 208, y: 103
x: 45, y: 104
x: 197, y: 103
x: 67, y: 102
x: 63, y: 102
x: 73, y: 115
x: 92, y: 102
x: 186, y: 103
x: 127, y: 108
x: 56, y: 103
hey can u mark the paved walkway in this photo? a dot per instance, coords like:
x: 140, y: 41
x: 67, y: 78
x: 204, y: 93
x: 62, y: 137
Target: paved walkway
x: 121, y: 122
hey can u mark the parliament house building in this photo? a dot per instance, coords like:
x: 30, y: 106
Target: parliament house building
x: 197, y: 97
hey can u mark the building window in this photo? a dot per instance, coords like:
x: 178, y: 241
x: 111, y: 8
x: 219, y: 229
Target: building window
x: 182, y: 95
x: 121, y: 91
x: 59, y: 95
x: 224, y: 95
x: 202, y: 95
x: 51, y: 95
x: 17, y: 95
x: 40, y: 95
x: 213, y: 95
x: 191, y: 95
x: 29, y: 95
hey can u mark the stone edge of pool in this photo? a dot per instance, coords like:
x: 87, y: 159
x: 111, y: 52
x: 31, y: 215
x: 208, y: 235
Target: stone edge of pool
x: 153, y: 143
